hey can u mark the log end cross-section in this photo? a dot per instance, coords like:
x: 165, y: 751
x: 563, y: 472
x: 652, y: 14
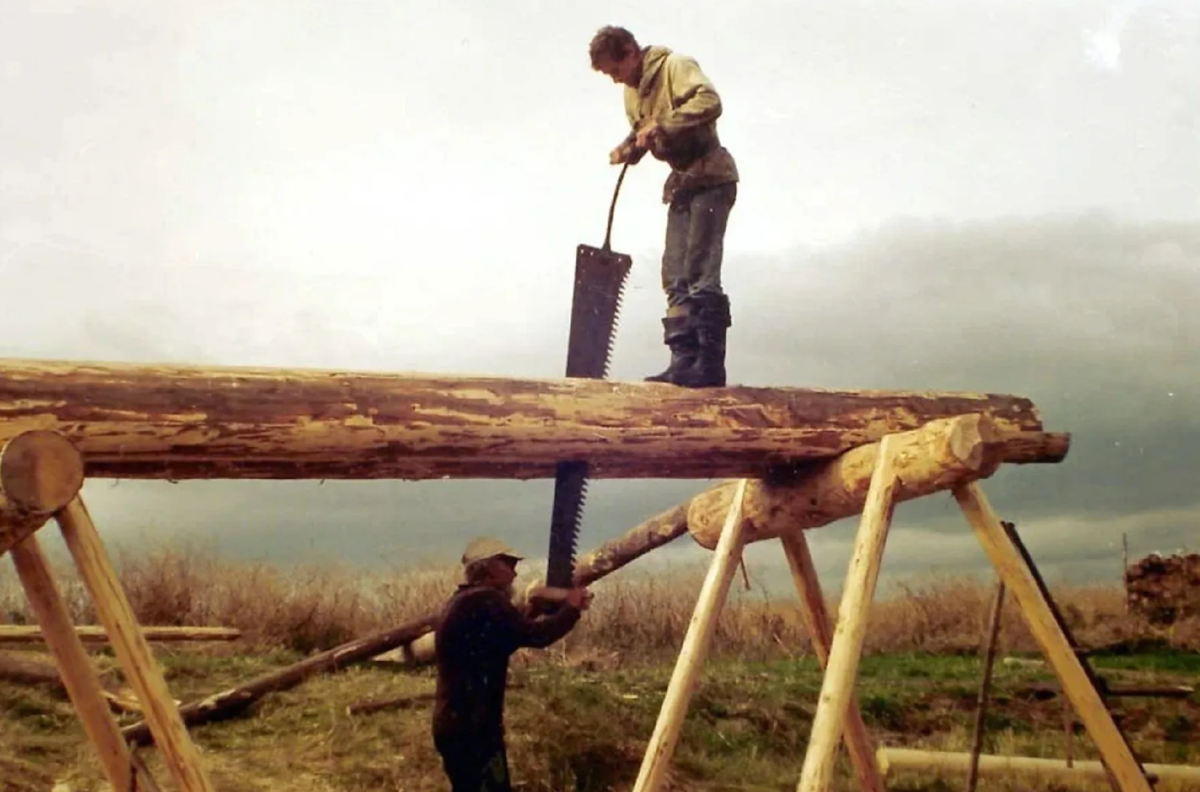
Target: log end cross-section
x: 40, y: 473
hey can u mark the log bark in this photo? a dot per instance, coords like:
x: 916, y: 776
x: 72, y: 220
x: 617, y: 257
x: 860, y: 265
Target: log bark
x: 659, y: 530
x: 40, y: 472
x: 177, y: 422
x: 234, y: 700
x: 930, y: 459
x: 27, y: 634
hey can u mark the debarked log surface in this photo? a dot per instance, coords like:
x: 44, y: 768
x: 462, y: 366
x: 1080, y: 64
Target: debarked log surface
x: 935, y: 458
x: 181, y: 422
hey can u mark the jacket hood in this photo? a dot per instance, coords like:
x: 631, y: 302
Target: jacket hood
x: 652, y: 63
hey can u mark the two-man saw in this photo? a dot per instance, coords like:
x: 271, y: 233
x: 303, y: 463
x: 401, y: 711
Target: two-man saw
x: 600, y: 277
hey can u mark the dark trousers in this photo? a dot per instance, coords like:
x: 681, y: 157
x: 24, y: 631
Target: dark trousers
x: 473, y: 764
x: 695, y: 244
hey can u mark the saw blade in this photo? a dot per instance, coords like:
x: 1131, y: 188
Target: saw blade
x: 570, y: 493
x: 600, y: 276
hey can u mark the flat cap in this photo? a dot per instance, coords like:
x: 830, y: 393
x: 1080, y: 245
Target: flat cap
x: 486, y: 547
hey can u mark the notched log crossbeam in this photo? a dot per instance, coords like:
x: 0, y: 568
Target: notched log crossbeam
x: 138, y: 421
x: 960, y: 449
x: 934, y: 458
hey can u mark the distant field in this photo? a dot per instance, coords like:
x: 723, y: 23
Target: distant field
x: 583, y: 710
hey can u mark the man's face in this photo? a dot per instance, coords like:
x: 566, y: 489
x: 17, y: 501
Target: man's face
x: 622, y: 71
x: 502, y: 571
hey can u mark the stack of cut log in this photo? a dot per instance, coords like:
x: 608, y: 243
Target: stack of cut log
x: 1164, y: 589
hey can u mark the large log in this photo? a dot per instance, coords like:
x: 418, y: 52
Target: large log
x: 936, y: 457
x: 178, y: 422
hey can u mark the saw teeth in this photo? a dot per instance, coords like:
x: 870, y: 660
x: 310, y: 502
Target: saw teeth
x: 600, y: 292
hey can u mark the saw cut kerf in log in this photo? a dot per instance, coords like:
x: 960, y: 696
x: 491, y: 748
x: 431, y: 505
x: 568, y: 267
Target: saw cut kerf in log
x: 933, y: 458
x: 179, y: 422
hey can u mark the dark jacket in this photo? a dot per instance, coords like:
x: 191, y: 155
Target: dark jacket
x: 478, y: 631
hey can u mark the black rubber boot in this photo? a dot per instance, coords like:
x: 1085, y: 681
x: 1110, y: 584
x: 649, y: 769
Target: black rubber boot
x: 712, y: 319
x: 680, y: 336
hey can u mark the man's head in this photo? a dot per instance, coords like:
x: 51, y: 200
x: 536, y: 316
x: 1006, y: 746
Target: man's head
x: 490, y: 562
x: 615, y: 52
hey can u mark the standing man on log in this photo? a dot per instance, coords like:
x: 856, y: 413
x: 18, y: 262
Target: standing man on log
x: 479, y: 629
x: 673, y: 108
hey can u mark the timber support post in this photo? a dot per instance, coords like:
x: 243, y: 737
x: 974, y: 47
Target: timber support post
x: 41, y: 474
x: 820, y: 631
x: 845, y: 650
x: 695, y: 648
x: 1021, y: 579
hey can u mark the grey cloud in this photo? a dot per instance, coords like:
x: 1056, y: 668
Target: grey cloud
x: 1133, y: 453
x: 196, y: 186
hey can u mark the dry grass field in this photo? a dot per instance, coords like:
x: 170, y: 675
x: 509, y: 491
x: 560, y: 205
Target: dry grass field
x: 583, y: 710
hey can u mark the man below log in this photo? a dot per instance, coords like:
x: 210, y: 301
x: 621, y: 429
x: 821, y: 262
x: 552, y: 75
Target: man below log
x: 477, y: 632
x: 673, y: 109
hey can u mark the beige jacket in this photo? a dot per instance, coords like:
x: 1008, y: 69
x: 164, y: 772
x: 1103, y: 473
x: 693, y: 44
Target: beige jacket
x: 675, y: 92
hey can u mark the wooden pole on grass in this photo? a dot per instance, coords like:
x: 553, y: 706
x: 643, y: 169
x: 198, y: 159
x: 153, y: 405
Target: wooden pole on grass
x: 845, y: 651
x: 1077, y: 686
x: 816, y: 622
x: 985, y: 685
x: 695, y: 648
x: 133, y: 652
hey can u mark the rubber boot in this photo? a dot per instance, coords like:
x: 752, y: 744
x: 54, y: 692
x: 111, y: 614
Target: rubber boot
x: 712, y: 320
x: 680, y: 336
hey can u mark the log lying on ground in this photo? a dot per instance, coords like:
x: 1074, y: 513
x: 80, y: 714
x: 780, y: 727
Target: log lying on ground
x: 231, y: 701
x: 32, y: 670
x: 177, y: 422
x: 29, y: 671
x: 931, y: 459
x: 26, y: 634
x: 914, y: 760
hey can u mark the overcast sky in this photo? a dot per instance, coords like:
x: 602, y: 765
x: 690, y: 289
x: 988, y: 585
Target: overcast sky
x: 984, y: 196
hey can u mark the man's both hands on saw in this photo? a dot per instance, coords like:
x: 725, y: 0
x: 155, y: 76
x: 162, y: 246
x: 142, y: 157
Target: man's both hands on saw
x: 549, y: 598
x: 634, y: 147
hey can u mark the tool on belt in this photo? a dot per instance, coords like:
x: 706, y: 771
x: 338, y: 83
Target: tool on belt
x: 599, y: 284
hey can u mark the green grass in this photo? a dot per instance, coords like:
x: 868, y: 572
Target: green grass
x: 747, y: 725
